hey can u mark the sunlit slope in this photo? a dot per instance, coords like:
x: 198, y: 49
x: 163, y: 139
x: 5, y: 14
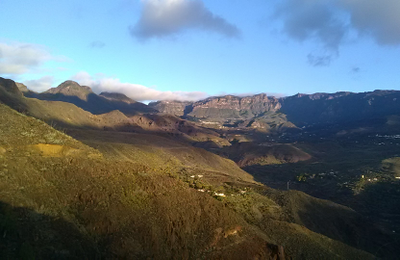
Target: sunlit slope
x: 118, y: 208
x: 160, y: 152
x: 24, y: 135
x: 91, y: 207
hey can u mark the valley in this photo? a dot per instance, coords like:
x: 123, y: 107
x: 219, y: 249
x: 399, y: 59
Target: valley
x: 87, y: 176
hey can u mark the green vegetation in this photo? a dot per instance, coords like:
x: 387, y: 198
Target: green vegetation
x: 146, y: 194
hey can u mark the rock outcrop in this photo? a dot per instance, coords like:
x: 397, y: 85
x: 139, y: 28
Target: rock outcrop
x: 226, y: 111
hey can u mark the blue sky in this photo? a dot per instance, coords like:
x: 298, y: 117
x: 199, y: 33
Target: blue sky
x: 191, y: 49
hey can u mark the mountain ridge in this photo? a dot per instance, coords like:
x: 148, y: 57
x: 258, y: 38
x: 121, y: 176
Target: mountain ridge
x: 299, y: 109
x: 84, y: 97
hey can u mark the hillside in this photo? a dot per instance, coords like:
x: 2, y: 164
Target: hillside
x: 249, y: 153
x: 139, y: 195
x: 120, y: 208
x: 92, y: 200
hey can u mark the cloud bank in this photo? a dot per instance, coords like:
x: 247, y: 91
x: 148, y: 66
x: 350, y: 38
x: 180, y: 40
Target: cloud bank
x: 332, y: 23
x: 163, y: 18
x: 136, y: 92
x: 19, y: 58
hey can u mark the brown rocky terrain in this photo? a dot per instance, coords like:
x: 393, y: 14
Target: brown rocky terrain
x: 222, y: 111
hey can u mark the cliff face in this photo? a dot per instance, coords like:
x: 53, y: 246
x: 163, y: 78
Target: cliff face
x: 226, y: 107
x: 261, y: 111
x: 256, y: 111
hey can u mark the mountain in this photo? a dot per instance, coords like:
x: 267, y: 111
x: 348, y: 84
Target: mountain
x: 10, y: 87
x: 71, y: 88
x: 253, y: 112
x: 83, y: 97
x: 270, y: 113
x: 96, y: 206
x: 114, y: 185
x: 341, y: 107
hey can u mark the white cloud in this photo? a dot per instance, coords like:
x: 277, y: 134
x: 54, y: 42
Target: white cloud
x: 41, y: 84
x: 19, y: 58
x: 136, y: 92
x: 160, y: 18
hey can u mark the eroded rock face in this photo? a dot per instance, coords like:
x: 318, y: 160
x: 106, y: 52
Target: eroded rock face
x: 235, y: 107
x: 220, y: 107
x: 227, y: 111
x: 256, y: 104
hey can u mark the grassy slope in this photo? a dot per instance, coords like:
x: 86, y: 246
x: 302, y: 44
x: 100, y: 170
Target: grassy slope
x: 248, y: 154
x: 158, y: 151
x: 113, y: 209
x: 120, y: 205
x: 123, y: 209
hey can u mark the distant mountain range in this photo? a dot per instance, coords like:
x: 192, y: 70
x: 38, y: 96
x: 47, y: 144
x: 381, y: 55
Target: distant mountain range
x: 258, y: 112
x: 133, y: 177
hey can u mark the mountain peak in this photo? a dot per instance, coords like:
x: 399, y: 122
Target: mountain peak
x: 10, y: 86
x: 71, y: 88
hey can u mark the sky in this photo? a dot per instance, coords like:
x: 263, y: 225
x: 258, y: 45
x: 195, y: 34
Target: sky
x: 192, y: 49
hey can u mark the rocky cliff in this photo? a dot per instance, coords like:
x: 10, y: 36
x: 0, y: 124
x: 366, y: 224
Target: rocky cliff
x: 260, y: 111
x: 225, y: 111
